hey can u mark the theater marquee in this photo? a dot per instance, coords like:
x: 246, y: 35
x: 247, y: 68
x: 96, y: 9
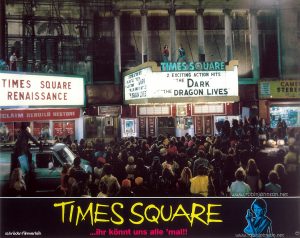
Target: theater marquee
x: 181, y: 82
x: 40, y: 90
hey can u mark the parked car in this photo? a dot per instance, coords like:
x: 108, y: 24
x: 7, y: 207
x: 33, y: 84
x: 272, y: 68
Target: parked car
x: 48, y: 165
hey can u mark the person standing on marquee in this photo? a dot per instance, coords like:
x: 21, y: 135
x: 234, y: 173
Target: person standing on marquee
x: 166, y: 54
x: 181, y: 54
x: 13, y: 62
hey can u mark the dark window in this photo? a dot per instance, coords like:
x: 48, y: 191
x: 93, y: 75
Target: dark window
x: 104, y: 24
x: 214, y: 22
x: 298, y: 25
x: 130, y: 23
x: 186, y: 23
x: 266, y: 22
x: 240, y: 22
x: 158, y: 23
x: 103, y: 59
x: 268, y: 55
x: 268, y: 45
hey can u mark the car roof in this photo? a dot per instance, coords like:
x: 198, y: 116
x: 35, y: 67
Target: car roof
x: 46, y: 148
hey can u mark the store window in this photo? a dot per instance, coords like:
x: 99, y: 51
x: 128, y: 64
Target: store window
x: 289, y: 113
x: 6, y: 132
x: 61, y: 129
x: 41, y: 130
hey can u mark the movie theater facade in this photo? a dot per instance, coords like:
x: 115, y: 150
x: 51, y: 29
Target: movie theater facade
x: 176, y: 98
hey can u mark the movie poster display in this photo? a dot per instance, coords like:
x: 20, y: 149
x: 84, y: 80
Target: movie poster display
x: 152, y: 126
x: 142, y: 127
x: 129, y: 127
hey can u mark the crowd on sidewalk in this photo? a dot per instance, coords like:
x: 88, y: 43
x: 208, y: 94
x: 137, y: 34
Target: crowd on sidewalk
x: 228, y: 164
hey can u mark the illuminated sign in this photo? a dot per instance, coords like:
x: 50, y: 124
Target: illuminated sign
x: 279, y: 89
x: 129, y: 127
x: 147, y: 85
x: 193, y: 66
x: 39, y: 114
x: 40, y: 90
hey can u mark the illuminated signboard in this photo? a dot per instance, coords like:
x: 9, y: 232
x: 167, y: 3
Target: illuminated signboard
x: 279, y: 89
x: 150, y: 84
x: 40, y: 90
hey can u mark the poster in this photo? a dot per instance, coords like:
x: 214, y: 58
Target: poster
x: 119, y: 217
x: 129, y: 127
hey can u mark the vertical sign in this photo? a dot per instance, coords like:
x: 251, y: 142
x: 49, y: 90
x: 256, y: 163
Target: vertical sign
x: 142, y: 125
x: 199, y: 125
x: 207, y: 125
x: 151, y: 126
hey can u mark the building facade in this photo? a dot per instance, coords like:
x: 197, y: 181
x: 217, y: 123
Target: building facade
x: 100, y: 40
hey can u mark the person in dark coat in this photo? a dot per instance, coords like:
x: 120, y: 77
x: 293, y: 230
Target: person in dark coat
x: 22, y: 157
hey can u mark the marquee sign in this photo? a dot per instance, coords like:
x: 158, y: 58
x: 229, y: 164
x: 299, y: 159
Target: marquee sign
x: 40, y: 90
x: 150, y: 84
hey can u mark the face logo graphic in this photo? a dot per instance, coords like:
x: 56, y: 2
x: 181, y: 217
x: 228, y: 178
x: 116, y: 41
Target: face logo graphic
x: 257, y: 221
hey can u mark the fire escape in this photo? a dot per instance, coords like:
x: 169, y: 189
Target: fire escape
x: 28, y: 51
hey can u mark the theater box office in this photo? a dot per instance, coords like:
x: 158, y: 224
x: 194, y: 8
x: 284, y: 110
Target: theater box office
x: 52, y: 105
x: 103, y: 112
x: 179, y: 97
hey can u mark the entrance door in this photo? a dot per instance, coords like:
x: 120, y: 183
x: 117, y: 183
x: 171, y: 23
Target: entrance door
x: 166, y: 126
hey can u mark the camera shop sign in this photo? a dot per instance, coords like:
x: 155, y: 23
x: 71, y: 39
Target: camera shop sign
x: 40, y: 90
x: 279, y: 89
x: 182, y: 82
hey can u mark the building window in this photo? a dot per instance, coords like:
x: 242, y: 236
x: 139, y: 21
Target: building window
x: 154, y: 110
x: 298, y: 25
x: 212, y: 22
x: 186, y: 23
x: 208, y: 109
x: 156, y: 23
x: 268, y: 45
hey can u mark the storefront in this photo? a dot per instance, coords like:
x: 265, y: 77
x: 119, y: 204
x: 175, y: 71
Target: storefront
x: 104, y: 125
x: 179, y: 98
x: 52, y: 105
x: 102, y: 116
x: 48, y: 123
x: 280, y: 99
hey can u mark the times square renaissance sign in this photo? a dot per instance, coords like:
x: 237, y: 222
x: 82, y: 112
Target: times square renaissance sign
x: 40, y: 90
x: 182, y: 82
